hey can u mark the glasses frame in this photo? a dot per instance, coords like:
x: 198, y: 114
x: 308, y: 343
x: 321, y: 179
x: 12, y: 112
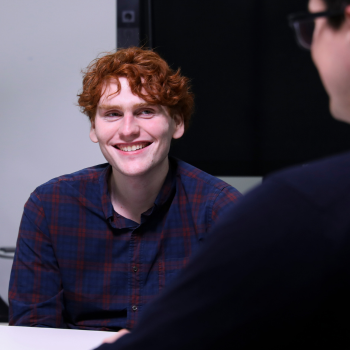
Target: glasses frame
x: 295, y: 18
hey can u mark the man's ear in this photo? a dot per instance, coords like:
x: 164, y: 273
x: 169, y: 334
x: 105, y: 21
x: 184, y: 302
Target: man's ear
x: 93, y: 136
x: 347, y: 24
x: 179, y: 126
x: 347, y: 14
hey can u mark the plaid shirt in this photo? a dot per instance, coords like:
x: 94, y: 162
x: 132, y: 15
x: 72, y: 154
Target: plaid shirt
x: 79, y: 264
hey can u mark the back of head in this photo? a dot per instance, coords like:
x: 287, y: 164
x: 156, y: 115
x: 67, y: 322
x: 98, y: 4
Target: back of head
x: 149, y: 77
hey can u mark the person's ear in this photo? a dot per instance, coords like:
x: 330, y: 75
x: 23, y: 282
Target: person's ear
x: 93, y: 136
x: 347, y: 11
x: 179, y: 126
x: 347, y: 23
x: 347, y: 14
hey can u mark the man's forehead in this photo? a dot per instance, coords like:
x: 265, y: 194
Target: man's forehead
x: 112, y: 83
x: 110, y: 88
x: 112, y: 98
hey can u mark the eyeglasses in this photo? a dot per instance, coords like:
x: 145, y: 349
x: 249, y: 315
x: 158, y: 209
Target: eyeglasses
x: 304, y: 25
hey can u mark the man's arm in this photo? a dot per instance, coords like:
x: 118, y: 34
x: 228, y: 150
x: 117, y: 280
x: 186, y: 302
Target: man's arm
x: 35, y: 294
x: 268, y: 275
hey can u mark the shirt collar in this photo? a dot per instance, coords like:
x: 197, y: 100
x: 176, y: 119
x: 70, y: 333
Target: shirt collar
x: 167, y: 191
x: 165, y: 194
x: 105, y: 196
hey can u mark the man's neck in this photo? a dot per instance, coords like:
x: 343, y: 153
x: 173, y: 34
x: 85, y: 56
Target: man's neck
x: 133, y: 195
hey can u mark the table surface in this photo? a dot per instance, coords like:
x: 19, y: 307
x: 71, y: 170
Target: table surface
x: 36, y: 338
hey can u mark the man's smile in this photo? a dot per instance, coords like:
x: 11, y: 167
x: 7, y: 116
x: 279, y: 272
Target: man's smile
x: 129, y: 147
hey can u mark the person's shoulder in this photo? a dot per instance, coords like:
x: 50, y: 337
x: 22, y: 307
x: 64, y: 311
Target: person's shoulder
x: 86, y: 175
x: 322, y: 181
x: 191, y: 175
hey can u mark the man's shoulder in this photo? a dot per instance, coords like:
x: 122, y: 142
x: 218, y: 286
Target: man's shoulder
x: 321, y: 181
x: 87, y: 175
x: 191, y: 175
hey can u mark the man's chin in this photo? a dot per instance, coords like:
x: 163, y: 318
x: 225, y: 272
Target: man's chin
x: 132, y: 171
x: 145, y: 168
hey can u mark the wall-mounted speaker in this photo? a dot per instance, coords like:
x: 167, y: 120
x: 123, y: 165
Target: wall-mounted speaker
x: 134, y: 23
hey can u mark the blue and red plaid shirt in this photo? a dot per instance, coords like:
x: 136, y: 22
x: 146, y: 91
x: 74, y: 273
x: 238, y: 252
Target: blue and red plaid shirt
x: 79, y: 264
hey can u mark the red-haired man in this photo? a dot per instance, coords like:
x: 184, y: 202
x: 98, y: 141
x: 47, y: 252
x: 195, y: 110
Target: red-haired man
x: 97, y: 245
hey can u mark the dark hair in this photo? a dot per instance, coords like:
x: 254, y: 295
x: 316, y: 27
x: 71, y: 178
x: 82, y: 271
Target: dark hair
x: 149, y: 77
x: 336, y: 5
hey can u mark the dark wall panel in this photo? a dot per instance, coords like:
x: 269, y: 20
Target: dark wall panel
x: 296, y: 125
x: 210, y: 45
x: 260, y: 105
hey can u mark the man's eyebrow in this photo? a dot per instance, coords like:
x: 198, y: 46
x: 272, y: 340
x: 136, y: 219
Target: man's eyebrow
x: 144, y: 104
x: 109, y: 107
x: 137, y: 105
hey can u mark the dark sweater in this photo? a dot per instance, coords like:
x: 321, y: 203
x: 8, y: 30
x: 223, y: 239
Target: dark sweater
x: 281, y: 280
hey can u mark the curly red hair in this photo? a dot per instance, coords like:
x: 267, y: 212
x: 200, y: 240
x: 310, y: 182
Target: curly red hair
x: 144, y: 69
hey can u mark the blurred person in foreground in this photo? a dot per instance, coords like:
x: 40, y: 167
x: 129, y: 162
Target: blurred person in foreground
x: 282, y: 280
x: 94, y: 247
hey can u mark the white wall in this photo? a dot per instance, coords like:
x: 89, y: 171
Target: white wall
x: 44, y: 45
x: 242, y: 183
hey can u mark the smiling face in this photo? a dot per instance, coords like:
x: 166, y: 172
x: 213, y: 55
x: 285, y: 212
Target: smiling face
x: 133, y: 135
x: 331, y: 54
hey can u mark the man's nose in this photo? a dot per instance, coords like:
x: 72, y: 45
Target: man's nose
x: 129, y: 127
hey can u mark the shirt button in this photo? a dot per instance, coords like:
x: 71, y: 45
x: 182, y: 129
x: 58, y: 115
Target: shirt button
x: 135, y: 268
x: 134, y: 307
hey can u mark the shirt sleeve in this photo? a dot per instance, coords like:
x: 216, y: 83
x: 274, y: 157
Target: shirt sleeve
x: 35, y: 293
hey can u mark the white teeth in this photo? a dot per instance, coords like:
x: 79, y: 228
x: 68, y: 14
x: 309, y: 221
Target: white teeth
x: 132, y: 148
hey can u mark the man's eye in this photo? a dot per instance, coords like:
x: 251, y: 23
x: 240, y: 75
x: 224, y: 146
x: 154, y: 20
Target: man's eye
x: 113, y: 114
x: 147, y: 112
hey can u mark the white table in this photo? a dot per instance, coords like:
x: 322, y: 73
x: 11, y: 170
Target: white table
x: 35, y: 338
